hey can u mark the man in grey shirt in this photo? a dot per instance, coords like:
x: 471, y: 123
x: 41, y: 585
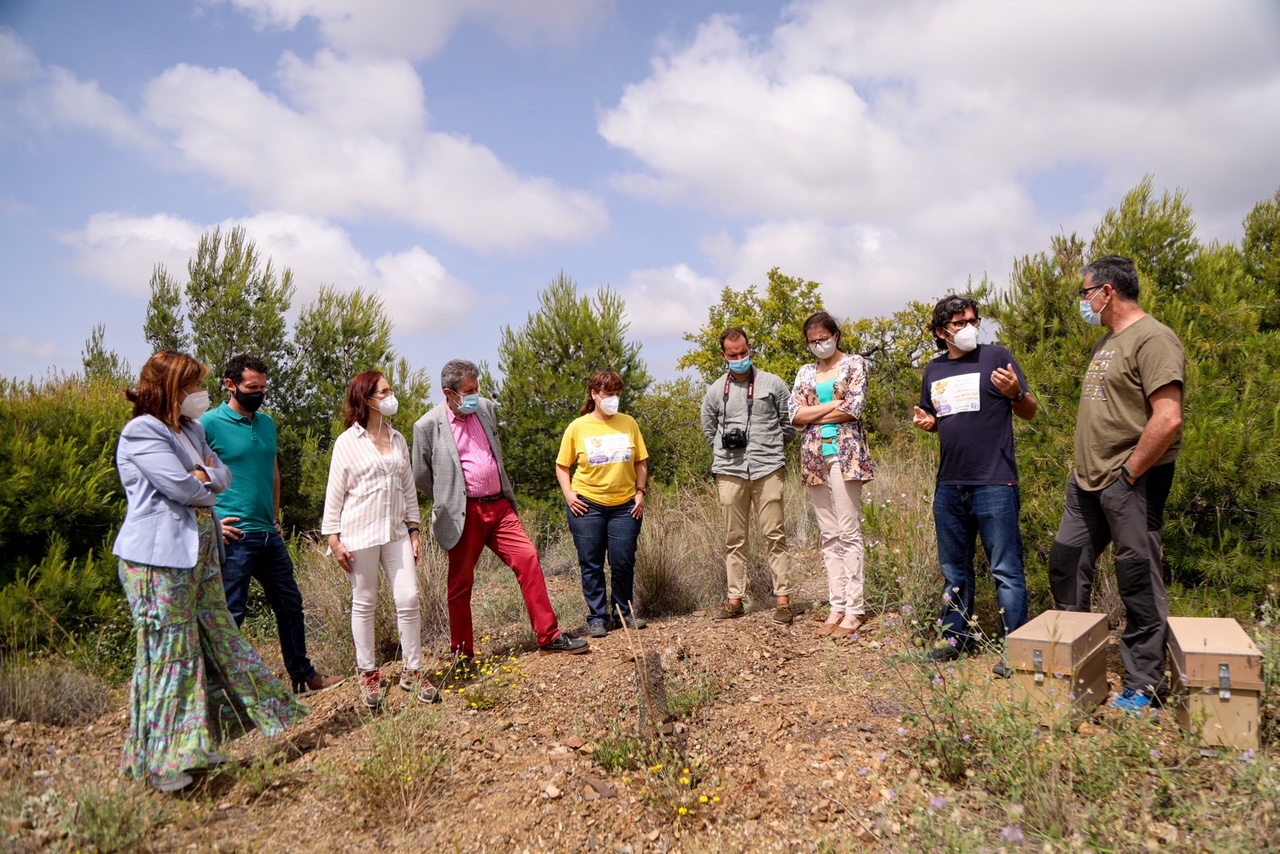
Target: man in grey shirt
x: 746, y: 422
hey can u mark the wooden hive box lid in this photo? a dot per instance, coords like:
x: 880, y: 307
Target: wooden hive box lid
x: 1200, y: 645
x: 1065, y: 639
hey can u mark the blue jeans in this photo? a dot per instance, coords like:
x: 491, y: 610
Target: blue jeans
x: 264, y: 556
x: 606, y: 529
x: 960, y: 514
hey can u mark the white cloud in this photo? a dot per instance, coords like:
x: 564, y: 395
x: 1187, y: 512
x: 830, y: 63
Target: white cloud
x: 417, y: 291
x: 893, y: 150
x: 352, y: 143
x: 865, y: 111
x: 29, y: 348
x: 123, y: 250
x: 52, y: 97
x: 668, y: 302
x: 417, y: 29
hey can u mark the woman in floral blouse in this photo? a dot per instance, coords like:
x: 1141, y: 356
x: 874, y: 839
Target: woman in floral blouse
x: 827, y: 402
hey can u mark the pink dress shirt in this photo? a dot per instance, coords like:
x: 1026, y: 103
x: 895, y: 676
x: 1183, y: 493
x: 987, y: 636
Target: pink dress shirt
x: 479, y: 466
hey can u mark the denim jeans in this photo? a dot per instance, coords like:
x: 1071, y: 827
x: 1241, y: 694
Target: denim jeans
x: 960, y: 514
x: 606, y: 529
x: 264, y: 556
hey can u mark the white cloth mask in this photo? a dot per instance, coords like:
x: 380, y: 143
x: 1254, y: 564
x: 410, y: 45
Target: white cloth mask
x: 966, y: 339
x: 389, y: 405
x: 195, y: 404
x: 609, y: 405
x: 823, y: 349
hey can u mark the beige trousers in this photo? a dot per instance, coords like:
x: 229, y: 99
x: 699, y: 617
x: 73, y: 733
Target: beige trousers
x: 838, y: 506
x: 737, y: 494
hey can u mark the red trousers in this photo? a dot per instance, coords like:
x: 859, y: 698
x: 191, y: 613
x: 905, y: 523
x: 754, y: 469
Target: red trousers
x: 495, y: 524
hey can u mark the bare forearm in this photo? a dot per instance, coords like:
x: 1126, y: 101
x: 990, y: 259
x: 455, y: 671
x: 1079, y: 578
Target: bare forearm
x: 1152, y: 444
x: 1028, y: 408
x: 813, y: 414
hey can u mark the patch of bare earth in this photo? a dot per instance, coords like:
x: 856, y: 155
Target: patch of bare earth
x: 797, y: 747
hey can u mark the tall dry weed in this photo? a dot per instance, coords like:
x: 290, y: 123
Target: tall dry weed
x: 50, y: 691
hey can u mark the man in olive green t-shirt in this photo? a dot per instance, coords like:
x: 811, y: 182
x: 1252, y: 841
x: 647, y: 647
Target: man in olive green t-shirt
x: 1128, y: 434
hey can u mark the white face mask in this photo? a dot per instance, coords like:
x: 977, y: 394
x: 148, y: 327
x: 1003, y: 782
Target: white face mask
x: 195, y: 404
x: 823, y: 349
x: 609, y: 405
x: 389, y: 405
x: 966, y: 339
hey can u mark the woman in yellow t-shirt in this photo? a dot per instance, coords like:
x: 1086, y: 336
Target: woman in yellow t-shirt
x: 605, y: 498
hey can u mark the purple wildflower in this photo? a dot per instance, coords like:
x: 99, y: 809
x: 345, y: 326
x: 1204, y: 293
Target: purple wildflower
x: 1012, y: 833
x: 937, y: 802
x: 907, y: 610
x: 952, y: 640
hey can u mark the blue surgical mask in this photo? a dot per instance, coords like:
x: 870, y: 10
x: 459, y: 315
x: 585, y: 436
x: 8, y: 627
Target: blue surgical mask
x: 468, y: 404
x: 1091, y: 317
x: 741, y: 366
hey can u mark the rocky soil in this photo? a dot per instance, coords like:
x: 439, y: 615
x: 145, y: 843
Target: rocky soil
x: 768, y: 737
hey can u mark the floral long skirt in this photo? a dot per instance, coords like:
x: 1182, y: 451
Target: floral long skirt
x: 196, y: 679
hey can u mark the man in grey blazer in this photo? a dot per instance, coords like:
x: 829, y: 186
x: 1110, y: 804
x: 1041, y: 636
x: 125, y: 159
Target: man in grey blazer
x: 457, y: 463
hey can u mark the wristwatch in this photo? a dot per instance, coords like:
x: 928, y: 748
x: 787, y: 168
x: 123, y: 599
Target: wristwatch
x: 1020, y: 396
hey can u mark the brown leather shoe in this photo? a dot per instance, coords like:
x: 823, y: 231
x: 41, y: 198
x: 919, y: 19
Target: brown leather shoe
x: 729, y: 611
x: 829, y: 625
x: 784, y: 615
x: 318, y: 683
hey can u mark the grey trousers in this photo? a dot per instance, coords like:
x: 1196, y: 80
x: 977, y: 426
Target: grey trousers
x: 1132, y: 518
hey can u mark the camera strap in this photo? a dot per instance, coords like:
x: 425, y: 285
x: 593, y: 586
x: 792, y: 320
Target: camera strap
x: 751, y: 393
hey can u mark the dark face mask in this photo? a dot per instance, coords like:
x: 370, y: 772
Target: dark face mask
x: 250, y: 401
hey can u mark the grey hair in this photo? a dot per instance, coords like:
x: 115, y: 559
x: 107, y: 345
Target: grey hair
x: 457, y: 370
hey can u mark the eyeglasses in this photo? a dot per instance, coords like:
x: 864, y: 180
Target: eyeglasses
x: 1084, y: 292
x: 957, y: 325
x: 384, y: 393
x: 820, y: 342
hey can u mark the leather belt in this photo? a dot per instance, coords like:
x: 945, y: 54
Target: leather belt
x: 484, y: 498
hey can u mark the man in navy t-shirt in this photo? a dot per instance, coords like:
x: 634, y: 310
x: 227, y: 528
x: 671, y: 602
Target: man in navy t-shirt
x: 969, y: 397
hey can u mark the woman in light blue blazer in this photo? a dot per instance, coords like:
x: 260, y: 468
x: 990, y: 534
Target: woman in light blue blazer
x: 189, y: 650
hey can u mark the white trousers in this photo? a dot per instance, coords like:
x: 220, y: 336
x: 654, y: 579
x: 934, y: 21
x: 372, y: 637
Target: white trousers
x: 396, y: 558
x: 838, y: 506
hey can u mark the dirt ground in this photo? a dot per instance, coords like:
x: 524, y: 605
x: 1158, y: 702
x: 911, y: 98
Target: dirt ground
x: 799, y: 748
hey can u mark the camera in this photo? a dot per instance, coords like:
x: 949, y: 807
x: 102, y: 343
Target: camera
x: 734, y: 438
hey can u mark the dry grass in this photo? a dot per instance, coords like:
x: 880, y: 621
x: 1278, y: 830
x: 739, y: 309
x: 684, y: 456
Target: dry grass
x: 50, y: 691
x: 402, y: 772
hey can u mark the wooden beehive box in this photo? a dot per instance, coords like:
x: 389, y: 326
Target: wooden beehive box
x: 1059, y: 660
x: 1217, y: 677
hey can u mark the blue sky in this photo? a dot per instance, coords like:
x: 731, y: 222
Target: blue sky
x: 454, y: 156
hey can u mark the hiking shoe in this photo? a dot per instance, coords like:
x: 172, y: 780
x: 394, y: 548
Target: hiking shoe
x: 318, y: 683
x: 942, y: 654
x: 565, y: 642
x: 419, y: 686
x: 371, y: 689
x: 597, y: 628
x: 729, y: 611
x: 1002, y: 670
x: 631, y: 621
x: 170, y: 783
x: 1132, y: 702
x: 784, y: 615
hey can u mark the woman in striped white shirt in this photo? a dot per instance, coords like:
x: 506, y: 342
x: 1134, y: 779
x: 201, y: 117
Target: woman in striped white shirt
x: 371, y: 517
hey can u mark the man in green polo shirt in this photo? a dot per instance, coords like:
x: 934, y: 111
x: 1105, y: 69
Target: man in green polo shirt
x: 245, y: 440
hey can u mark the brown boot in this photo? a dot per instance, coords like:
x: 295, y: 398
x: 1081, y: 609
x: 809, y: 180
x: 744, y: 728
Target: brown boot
x: 729, y: 611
